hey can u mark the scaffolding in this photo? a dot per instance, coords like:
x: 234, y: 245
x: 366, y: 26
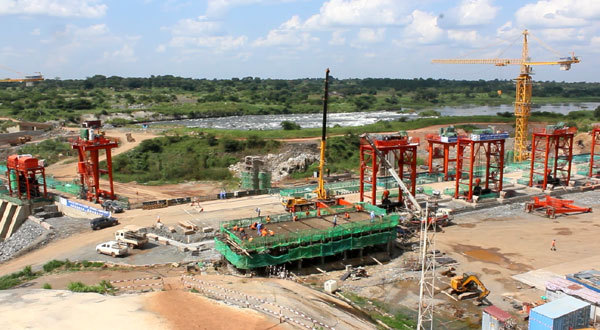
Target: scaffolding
x: 403, y: 152
x: 594, y: 162
x: 312, y: 235
x: 480, y: 159
x: 552, y: 153
x: 88, y: 145
x: 22, y: 172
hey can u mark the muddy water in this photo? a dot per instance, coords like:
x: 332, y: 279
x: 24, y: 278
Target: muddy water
x: 490, y: 256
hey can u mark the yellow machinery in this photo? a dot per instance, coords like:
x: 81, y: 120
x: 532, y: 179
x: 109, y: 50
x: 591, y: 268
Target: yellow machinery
x: 466, y: 284
x: 26, y: 79
x: 293, y: 204
x: 523, y: 95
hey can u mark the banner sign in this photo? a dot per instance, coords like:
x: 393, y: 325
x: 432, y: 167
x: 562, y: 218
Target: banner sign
x: 83, y: 207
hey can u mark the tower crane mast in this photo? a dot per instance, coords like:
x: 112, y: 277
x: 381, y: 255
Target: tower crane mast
x: 523, y: 88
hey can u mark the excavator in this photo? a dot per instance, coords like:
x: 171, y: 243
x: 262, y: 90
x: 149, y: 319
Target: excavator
x: 464, y: 285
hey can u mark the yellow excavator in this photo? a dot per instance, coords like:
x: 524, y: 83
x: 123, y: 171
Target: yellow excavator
x: 464, y: 285
x: 293, y: 204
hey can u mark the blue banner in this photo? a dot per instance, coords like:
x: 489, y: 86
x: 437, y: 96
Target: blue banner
x: 84, y: 208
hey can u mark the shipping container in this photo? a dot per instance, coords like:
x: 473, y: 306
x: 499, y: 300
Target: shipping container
x: 561, y: 314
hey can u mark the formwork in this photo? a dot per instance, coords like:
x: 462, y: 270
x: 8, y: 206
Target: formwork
x: 312, y: 235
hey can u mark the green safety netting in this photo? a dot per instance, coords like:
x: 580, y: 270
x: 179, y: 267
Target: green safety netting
x: 324, y: 249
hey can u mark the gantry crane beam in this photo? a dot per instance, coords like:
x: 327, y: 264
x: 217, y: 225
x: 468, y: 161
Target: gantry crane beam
x: 523, y: 89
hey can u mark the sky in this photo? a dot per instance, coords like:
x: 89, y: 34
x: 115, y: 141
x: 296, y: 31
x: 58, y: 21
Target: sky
x: 290, y: 39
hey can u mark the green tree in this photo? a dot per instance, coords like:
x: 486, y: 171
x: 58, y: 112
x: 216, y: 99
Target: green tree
x: 289, y: 125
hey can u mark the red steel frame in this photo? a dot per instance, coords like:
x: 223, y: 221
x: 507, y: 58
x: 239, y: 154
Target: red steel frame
x: 27, y: 173
x: 434, y: 140
x: 405, y: 154
x: 594, y: 166
x: 557, y: 143
x: 89, y: 169
x: 467, y: 154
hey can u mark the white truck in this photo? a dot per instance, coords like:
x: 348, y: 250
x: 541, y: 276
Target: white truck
x: 132, y: 238
x: 112, y: 248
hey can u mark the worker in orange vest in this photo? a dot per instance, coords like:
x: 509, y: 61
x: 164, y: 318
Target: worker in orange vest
x: 264, y: 232
x: 553, y: 245
x: 268, y: 219
x: 295, y: 218
x: 271, y: 233
x: 346, y: 215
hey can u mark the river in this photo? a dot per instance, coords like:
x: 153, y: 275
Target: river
x: 267, y: 122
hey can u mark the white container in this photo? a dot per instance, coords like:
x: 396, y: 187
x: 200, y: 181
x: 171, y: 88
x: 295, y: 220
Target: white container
x: 331, y: 286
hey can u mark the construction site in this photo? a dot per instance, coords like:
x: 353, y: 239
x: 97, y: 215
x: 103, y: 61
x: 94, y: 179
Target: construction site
x: 496, y: 231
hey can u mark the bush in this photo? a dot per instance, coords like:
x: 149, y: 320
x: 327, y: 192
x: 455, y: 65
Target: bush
x: 102, y: 287
x: 289, y: 125
x: 46, y: 286
x: 506, y: 114
x: 429, y: 113
x: 52, y: 265
x: 14, y: 279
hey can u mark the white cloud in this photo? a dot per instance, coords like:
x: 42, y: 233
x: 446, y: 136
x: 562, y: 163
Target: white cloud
x: 201, y: 33
x: 289, y: 34
x: 358, y: 13
x: 423, y: 28
x: 190, y: 26
x: 61, y: 8
x: 367, y: 35
x: 558, y: 13
x: 337, y: 38
x: 476, y: 12
x: 507, y: 31
x: 216, y: 43
x: 35, y: 32
x: 464, y: 36
x: 125, y: 54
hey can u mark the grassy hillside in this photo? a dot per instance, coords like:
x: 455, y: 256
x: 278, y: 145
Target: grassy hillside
x: 174, y: 159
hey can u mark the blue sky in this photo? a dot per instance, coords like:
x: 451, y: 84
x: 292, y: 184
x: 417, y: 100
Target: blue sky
x: 294, y: 38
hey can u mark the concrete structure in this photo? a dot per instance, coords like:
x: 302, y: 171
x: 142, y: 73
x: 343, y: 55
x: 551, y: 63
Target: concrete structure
x: 12, y: 216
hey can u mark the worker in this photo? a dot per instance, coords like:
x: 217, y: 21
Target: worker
x: 372, y: 216
x: 243, y: 234
x: 158, y: 224
x: 307, y: 213
x: 553, y: 245
x: 295, y: 218
x: 235, y: 228
x: 259, y: 228
x: 268, y: 219
x: 358, y: 208
x: 264, y: 232
x: 347, y: 216
x: 258, y: 211
x: 253, y: 226
x: 335, y: 220
x: 477, y: 188
x: 271, y: 233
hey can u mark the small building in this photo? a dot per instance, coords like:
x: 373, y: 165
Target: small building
x: 494, y: 318
x: 564, y: 313
x: 557, y: 288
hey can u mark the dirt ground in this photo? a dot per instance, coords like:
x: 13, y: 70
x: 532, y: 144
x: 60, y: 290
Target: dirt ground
x: 186, y: 310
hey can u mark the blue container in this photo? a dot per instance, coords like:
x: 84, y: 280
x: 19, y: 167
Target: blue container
x: 563, y: 313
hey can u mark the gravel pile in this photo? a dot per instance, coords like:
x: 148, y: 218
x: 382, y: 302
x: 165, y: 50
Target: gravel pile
x: 24, y: 236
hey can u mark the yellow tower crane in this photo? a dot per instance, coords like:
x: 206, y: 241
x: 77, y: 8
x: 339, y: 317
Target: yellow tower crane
x: 29, y: 80
x: 523, y: 94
